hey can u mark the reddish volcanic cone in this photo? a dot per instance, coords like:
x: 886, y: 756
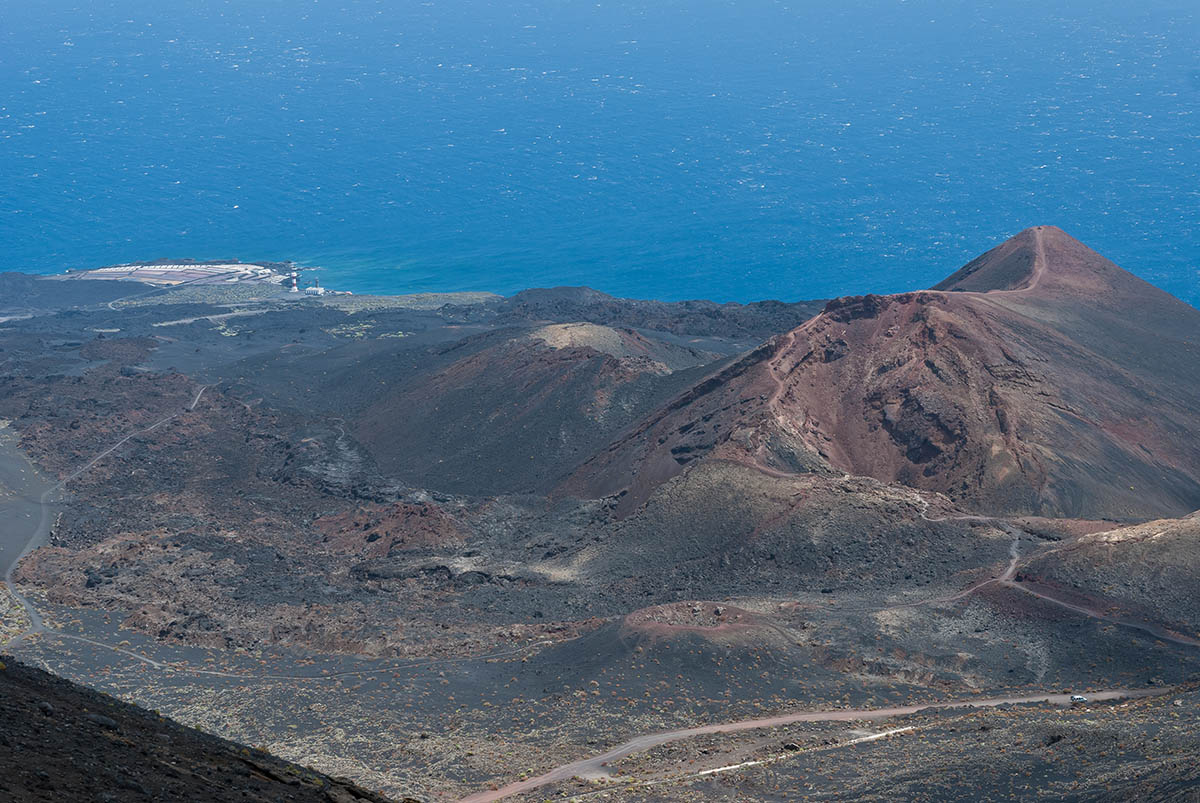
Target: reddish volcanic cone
x: 1041, y: 378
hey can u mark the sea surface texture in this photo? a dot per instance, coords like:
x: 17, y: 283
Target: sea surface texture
x: 668, y: 149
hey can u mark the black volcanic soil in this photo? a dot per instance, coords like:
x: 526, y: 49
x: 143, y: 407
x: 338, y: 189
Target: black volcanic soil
x: 345, y: 550
x: 1136, y: 750
x: 20, y: 293
x: 723, y: 525
x: 63, y: 743
x: 1146, y: 570
x: 449, y: 408
x: 512, y: 412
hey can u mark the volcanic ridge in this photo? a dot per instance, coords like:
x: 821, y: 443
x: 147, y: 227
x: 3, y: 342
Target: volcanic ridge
x: 564, y: 544
x: 1039, y: 379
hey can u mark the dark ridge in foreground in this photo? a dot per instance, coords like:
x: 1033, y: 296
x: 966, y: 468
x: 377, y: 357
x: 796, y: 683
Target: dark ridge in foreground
x: 63, y: 743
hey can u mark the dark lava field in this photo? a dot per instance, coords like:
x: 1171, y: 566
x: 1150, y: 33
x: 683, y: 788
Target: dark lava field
x: 449, y: 547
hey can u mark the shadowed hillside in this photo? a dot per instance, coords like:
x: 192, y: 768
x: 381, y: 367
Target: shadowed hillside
x: 513, y: 412
x: 64, y: 743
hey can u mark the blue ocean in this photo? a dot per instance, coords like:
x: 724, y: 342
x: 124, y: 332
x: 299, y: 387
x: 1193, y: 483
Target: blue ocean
x: 732, y: 150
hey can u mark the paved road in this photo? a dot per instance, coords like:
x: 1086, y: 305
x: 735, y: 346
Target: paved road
x: 26, y: 513
x: 595, y: 764
x: 23, y: 516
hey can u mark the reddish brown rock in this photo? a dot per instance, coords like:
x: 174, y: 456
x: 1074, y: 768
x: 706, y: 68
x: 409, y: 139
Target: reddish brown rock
x: 1023, y: 385
x: 376, y: 530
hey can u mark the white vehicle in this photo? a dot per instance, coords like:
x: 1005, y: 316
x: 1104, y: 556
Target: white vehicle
x: 1076, y: 699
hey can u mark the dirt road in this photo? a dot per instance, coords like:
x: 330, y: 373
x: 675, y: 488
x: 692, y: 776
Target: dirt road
x: 595, y: 764
x: 1158, y: 631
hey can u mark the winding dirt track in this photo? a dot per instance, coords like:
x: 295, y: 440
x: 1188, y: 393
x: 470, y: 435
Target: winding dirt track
x: 1035, y: 278
x: 1008, y: 580
x: 1158, y: 631
x: 595, y: 764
